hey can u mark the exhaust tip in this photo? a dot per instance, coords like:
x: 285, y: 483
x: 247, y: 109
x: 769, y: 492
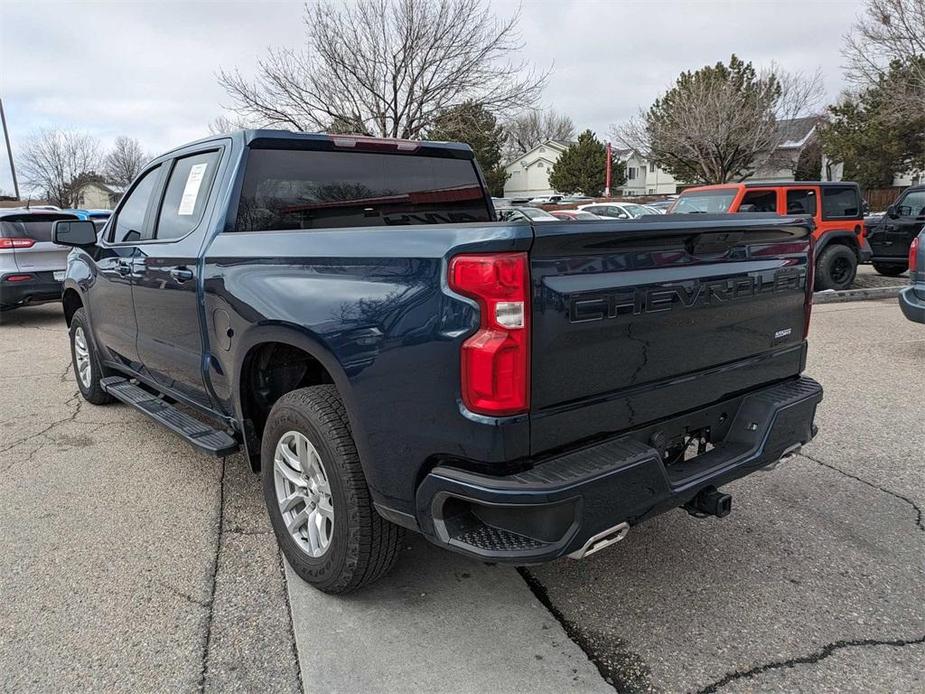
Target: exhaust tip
x: 603, y: 539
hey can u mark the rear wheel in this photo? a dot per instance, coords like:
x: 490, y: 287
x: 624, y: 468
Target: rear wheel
x: 836, y: 268
x: 316, y: 494
x: 890, y: 270
x: 86, y: 362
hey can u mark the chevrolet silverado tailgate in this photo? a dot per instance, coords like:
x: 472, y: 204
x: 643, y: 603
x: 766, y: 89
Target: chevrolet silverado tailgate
x: 642, y: 320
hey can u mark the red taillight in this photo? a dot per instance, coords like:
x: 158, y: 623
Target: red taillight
x: 914, y: 255
x: 496, y: 359
x: 17, y: 243
x: 17, y: 278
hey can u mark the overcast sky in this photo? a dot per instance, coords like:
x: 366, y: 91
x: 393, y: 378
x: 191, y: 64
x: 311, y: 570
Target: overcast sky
x: 147, y: 69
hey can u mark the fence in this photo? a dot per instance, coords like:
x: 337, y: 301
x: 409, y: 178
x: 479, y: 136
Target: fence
x: 880, y: 198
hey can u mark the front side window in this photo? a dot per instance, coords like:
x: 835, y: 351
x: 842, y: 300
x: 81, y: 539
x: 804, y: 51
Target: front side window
x: 801, y: 202
x: 312, y: 189
x: 759, y: 201
x: 839, y: 202
x: 130, y: 220
x: 912, y: 205
x: 186, y: 195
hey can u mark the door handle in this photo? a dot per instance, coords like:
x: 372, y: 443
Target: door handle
x: 891, y: 227
x: 181, y: 274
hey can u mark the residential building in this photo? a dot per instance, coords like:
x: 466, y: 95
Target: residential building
x: 643, y: 177
x: 798, y: 134
x: 528, y: 174
x: 100, y: 196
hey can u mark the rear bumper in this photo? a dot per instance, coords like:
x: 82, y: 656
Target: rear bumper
x: 561, y: 503
x: 912, y: 303
x: 41, y: 288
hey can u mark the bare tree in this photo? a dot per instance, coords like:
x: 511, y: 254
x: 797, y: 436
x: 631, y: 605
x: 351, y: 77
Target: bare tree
x: 125, y: 161
x: 530, y: 129
x: 720, y: 123
x: 891, y: 33
x: 388, y: 68
x: 59, y: 163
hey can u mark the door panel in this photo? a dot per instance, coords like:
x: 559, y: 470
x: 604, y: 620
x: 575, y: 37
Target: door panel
x: 110, y: 302
x: 166, y: 275
x: 113, y: 311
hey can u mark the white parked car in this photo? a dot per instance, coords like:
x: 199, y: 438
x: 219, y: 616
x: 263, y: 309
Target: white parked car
x: 617, y: 210
x: 545, y: 200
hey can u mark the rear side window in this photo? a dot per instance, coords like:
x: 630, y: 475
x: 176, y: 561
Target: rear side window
x: 304, y: 189
x: 801, y: 202
x: 130, y: 222
x: 759, y: 201
x: 839, y: 202
x: 186, y: 195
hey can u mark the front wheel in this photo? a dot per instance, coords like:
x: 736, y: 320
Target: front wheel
x: 317, y: 497
x: 86, y: 362
x: 890, y: 270
x: 836, y: 267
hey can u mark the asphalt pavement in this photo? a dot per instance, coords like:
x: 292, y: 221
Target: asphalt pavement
x: 128, y: 562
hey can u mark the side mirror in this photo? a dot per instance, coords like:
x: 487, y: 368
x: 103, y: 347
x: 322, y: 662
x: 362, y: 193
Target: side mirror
x: 865, y: 207
x: 891, y: 212
x: 75, y: 232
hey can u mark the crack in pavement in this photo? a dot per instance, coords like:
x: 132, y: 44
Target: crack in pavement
x: 180, y: 594
x: 207, y: 639
x: 810, y: 659
x: 58, y: 422
x: 918, y: 511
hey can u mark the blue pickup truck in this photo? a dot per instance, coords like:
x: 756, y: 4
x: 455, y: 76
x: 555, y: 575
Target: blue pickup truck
x: 349, y: 313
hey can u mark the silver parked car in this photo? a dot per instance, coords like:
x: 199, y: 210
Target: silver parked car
x: 31, y: 264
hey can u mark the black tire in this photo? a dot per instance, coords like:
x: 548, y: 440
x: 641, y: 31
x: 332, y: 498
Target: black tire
x: 890, y: 270
x: 363, y: 545
x: 91, y: 390
x: 836, y: 268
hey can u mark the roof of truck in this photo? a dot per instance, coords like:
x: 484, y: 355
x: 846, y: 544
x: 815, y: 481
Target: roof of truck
x: 266, y: 137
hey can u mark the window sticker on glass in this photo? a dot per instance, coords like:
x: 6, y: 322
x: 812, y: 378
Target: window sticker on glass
x: 191, y: 190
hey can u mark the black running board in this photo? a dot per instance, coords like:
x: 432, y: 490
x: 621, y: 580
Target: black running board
x: 197, y: 434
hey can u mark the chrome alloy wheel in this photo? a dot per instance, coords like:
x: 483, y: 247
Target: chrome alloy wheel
x: 303, y: 493
x: 82, y: 353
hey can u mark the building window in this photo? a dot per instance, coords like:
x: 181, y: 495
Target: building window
x: 631, y: 173
x: 652, y: 167
x: 542, y: 149
x: 540, y: 165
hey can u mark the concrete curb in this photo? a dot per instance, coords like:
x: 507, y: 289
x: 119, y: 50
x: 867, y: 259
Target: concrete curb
x: 830, y: 296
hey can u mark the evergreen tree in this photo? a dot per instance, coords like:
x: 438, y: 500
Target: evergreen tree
x: 864, y: 133
x: 582, y: 168
x: 473, y: 124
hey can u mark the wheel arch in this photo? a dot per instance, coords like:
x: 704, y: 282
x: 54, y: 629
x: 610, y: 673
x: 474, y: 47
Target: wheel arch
x: 274, y: 360
x: 843, y: 237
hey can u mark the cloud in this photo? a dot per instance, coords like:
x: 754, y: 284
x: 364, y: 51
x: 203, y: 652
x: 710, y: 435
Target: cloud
x: 147, y: 70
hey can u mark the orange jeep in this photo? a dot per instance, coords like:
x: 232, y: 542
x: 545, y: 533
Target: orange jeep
x: 836, y: 208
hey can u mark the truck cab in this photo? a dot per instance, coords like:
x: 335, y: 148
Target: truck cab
x: 837, y: 210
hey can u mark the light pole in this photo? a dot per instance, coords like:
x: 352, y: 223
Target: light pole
x: 607, y: 173
x: 9, y: 152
